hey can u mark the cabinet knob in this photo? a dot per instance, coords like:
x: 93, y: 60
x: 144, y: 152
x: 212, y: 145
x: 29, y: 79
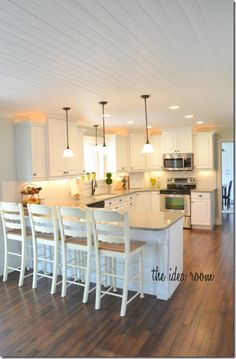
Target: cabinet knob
x: 34, y: 174
x: 200, y: 195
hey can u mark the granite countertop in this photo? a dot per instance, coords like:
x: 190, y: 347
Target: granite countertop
x: 152, y: 220
x: 146, y: 220
x: 207, y: 190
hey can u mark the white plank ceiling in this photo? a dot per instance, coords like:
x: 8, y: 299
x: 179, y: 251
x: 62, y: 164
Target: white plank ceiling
x: 56, y: 53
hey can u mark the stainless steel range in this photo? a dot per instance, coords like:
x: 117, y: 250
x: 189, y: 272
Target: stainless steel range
x: 177, y: 197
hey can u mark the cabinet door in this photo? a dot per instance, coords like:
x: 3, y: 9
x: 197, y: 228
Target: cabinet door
x: 168, y: 141
x: 142, y: 201
x: 122, y: 153
x: 203, y: 151
x: 137, y: 159
x: 200, y: 212
x: 75, y: 165
x: 155, y: 201
x: 38, y: 152
x: 154, y: 160
x: 184, y: 141
x: 57, y: 145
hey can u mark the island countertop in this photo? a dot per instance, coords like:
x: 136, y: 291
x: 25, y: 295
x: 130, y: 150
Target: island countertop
x: 138, y: 219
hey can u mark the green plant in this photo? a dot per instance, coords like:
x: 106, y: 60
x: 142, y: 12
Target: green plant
x: 108, y: 179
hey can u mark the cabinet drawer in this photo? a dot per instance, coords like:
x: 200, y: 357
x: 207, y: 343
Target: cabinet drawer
x: 201, y: 195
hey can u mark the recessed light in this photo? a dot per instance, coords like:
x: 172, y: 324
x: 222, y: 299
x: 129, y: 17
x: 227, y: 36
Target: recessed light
x: 174, y: 107
x: 149, y: 126
x: 199, y: 122
x: 189, y: 116
x: 130, y: 122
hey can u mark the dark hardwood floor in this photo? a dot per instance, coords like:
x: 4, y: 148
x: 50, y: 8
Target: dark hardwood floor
x: 198, y: 321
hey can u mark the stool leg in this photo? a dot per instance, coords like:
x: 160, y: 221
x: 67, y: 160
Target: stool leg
x: 106, y: 266
x: 5, y: 272
x: 114, y: 272
x: 22, y: 269
x: 64, y: 270
x: 87, y: 277
x: 35, y: 264
x: 98, y: 283
x: 141, y: 273
x: 125, y: 289
x: 55, y: 270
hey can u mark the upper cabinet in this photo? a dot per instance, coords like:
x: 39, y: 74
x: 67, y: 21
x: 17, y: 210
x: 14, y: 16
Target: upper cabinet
x: 118, y: 153
x: 154, y: 160
x: 178, y: 140
x: 137, y: 159
x: 30, y: 151
x: 204, y: 150
x: 60, y: 166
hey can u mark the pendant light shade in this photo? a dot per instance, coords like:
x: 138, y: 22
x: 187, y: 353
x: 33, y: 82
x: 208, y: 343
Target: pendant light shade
x: 147, y: 148
x: 104, y: 149
x: 68, y: 152
x: 96, y: 137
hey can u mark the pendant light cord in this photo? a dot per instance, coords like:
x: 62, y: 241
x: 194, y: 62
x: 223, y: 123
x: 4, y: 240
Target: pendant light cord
x: 145, y: 104
x: 67, y: 131
x: 103, y: 122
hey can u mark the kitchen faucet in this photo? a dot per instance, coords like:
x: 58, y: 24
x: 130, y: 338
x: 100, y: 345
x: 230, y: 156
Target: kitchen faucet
x: 94, y: 185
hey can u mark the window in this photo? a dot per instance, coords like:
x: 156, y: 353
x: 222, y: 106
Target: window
x: 93, y: 160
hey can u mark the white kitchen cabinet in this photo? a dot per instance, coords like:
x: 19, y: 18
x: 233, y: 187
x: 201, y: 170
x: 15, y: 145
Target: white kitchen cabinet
x: 118, y: 153
x: 179, y: 140
x: 60, y: 166
x: 155, y: 201
x: 204, y: 150
x: 154, y: 160
x: 203, y: 209
x: 30, y: 151
x: 143, y: 200
x: 137, y: 159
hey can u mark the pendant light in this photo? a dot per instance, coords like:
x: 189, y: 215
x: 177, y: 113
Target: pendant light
x: 147, y: 148
x: 104, y: 146
x: 96, y: 137
x: 68, y: 152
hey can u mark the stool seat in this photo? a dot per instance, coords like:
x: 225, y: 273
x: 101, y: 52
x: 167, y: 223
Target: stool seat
x: 134, y: 245
x: 80, y: 241
x: 17, y: 233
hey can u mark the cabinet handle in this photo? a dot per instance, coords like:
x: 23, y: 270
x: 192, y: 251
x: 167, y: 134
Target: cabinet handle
x: 200, y: 195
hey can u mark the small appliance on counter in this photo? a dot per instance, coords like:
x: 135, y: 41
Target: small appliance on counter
x: 30, y: 194
x: 177, y: 197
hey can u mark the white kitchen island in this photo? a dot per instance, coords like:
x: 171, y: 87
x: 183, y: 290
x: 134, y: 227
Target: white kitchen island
x: 163, y: 252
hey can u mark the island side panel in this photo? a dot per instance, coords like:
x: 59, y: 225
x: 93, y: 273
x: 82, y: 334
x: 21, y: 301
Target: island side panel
x: 175, y: 256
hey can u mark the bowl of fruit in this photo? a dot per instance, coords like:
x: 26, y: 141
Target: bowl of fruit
x: 30, y: 194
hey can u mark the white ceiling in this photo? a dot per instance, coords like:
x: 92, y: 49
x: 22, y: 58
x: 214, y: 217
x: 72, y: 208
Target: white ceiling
x: 56, y: 53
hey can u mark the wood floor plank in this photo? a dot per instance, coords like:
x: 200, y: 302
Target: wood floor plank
x: 197, y: 321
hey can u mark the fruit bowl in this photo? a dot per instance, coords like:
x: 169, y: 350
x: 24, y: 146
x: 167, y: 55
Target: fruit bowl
x: 30, y: 194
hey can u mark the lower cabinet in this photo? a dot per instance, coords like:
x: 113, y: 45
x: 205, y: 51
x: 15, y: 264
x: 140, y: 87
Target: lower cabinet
x: 140, y: 200
x: 203, y: 209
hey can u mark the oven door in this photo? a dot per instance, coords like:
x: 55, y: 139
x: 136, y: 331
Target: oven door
x: 176, y: 202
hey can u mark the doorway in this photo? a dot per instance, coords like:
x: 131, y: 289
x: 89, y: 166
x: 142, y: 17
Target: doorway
x: 227, y: 176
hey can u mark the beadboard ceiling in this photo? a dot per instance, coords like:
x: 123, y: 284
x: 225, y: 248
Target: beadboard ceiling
x: 56, y: 53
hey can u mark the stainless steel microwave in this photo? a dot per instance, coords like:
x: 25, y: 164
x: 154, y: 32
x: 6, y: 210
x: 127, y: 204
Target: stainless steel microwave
x: 178, y: 162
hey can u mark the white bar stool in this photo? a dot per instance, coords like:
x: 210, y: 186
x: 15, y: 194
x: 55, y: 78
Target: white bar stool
x: 14, y: 229
x: 44, y: 233
x: 75, y: 229
x: 112, y: 239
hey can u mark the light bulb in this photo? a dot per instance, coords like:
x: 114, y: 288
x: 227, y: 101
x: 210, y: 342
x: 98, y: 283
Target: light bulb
x: 104, y: 150
x: 68, y: 153
x: 147, y: 148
